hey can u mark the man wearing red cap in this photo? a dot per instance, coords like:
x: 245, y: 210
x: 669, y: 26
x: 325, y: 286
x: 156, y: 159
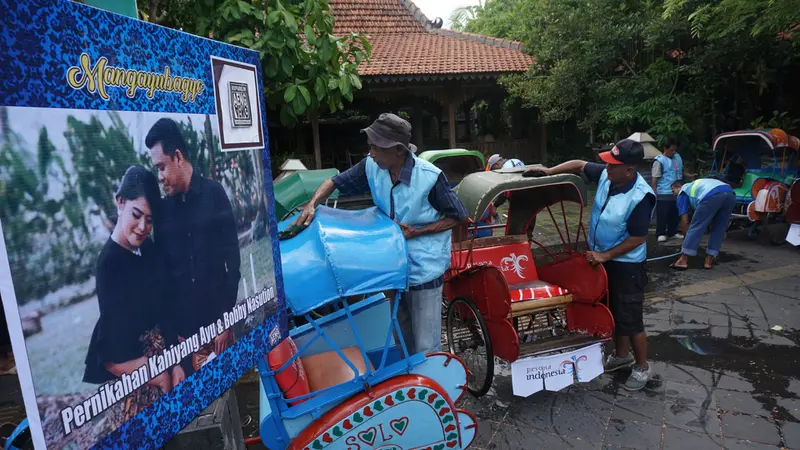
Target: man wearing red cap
x: 621, y: 215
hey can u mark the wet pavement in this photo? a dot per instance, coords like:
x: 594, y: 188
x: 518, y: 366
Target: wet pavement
x: 725, y: 378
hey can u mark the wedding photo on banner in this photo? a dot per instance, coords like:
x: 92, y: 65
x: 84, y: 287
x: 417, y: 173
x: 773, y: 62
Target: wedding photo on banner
x: 139, y: 242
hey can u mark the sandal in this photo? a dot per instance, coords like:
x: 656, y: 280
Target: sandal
x: 674, y: 266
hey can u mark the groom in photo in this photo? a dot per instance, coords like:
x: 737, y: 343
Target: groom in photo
x: 198, y: 232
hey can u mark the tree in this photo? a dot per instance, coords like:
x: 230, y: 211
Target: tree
x: 499, y: 18
x: 306, y: 67
x: 682, y: 68
x: 463, y: 15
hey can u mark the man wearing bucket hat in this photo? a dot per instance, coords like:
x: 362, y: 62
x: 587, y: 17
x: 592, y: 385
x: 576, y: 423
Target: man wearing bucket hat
x: 416, y: 195
x: 621, y: 215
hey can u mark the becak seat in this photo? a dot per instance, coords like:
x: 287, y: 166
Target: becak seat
x: 514, y: 259
x: 315, y: 372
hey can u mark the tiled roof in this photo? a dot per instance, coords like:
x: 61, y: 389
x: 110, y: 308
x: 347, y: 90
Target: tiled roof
x: 404, y: 42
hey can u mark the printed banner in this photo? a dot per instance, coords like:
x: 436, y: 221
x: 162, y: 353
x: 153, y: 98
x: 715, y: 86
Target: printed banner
x: 139, y: 261
x: 553, y: 373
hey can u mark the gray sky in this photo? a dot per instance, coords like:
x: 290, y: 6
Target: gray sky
x: 442, y: 8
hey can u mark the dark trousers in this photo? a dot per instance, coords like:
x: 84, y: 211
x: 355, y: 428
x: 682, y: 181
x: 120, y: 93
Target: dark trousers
x: 666, y: 215
x: 626, y: 283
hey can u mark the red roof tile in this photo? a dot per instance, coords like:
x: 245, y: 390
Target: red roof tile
x: 404, y: 42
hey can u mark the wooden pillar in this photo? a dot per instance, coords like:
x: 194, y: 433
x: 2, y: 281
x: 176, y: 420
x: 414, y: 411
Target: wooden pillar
x: 466, y: 108
x: 452, y: 119
x: 417, y: 124
x: 313, y: 116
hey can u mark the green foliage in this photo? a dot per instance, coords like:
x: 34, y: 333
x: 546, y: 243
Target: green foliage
x: 46, y: 235
x: 715, y: 19
x: 100, y: 156
x: 681, y: 68
x: 305, y: 66
x: 460, y: 17
x: 497, y: 18
x: 780, y: 120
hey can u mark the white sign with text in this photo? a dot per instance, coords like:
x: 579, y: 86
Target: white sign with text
x: 553, y: 373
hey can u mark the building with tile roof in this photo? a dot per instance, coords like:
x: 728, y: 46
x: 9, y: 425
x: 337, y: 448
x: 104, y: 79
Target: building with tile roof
x: 407, y: 45
x: 433, y: 75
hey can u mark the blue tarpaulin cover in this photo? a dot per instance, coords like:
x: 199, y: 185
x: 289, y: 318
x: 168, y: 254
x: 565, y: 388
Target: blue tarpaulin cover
x: 341, y: 254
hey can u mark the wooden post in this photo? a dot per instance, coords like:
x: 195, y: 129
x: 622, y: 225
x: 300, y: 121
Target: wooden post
x: 417, y: 128
x: 452, y: 118
x: 313, y: 116
x: 466, y: 108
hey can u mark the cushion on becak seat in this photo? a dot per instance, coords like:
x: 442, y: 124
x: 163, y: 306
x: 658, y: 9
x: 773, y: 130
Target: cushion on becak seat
x: 292, y: 381
x: 535, y: 296
x: 535, y: 290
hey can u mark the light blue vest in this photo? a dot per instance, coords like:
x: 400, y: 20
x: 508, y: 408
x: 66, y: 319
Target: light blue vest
x: 429, y: 255
x: 698, y: 189
x: 671, y: 171
x: 608, y: 226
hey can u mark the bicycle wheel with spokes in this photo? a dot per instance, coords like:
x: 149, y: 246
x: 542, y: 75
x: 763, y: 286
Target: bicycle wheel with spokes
x: 468, y: 338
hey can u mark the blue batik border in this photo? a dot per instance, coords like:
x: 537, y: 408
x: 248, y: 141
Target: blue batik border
x: 39, y: 41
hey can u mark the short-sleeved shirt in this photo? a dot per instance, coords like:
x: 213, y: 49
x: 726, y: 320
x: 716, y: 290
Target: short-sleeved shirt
x: 656, y: 171
x: 354, y: 181
x: 639, y: 220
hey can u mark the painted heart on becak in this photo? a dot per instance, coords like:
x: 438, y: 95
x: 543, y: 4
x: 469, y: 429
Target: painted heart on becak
x: 399, y: 425
x: 368, y: 436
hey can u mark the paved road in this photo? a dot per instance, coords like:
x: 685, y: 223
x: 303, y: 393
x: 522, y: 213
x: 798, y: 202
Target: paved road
x: 725, y: 379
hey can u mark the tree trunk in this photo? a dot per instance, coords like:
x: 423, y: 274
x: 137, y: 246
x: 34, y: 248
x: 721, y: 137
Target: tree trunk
x: 152, y: 10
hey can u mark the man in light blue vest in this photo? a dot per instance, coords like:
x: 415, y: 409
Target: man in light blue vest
x: 416, y: 195
x: 621, y: 215
x: 713, y: 202
x: 667, y: 169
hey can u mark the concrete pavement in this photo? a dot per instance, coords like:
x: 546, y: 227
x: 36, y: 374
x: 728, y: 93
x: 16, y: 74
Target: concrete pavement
x: 725, y: 379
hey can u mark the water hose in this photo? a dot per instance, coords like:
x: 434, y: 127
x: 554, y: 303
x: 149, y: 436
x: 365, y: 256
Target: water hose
x: 658, y: 258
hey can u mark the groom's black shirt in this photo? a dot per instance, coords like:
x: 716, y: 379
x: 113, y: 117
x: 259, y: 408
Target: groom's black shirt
x: 198, y: 232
